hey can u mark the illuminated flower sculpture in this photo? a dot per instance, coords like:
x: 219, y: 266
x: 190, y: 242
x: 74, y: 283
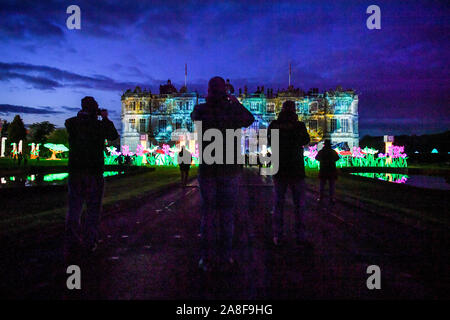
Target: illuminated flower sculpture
x: 113, y: 151
x: 310, y: 159
x: 396, y: 152
x: 112, y: 157
x: 397, y: 155
x: 140, y: 156
x: 358, y: 157
x: 14, y: 149
x: 34, y: 151
x: 140, y: 150
x: 368, y: 150
x: 126, y: 151
x: 55, y: 149
x: 164, y: 156
x: 357, y: 152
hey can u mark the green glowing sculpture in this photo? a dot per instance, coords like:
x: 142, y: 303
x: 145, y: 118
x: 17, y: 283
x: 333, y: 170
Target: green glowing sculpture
x: 55, y: 148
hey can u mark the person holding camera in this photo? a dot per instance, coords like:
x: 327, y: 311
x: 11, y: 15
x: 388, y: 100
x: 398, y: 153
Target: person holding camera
x: 291, y: 173
x: 219, y: 182
x: 87, y: 134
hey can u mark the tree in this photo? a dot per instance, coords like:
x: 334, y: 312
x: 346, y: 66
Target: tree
x: 58, y: 136
x: 16, y: 130
x: 40, y: 130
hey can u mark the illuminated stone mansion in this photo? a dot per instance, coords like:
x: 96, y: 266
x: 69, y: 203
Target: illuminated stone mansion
x: 153, y: 117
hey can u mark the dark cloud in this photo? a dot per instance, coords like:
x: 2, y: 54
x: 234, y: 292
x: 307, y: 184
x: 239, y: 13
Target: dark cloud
x: 9, y: 108
x: 71, y: 108
x: 32, y: 20
x: 44, y: 77
x: 27, y: 19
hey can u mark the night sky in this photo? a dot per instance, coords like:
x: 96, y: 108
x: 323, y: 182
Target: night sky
x: 400, y: 72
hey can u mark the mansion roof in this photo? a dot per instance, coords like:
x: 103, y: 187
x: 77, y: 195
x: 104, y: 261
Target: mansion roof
x: 169, y: 89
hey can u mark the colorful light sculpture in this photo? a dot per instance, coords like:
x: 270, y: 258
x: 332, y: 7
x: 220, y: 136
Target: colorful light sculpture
x: 34, y: 152
x: 55, y: 177
x: 14, y: 149
x: 55, y: 149
x: 3, y: 147
x: 358, y: 157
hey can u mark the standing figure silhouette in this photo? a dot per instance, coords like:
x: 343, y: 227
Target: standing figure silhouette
x: 87, y: 137
x: 219, y: 182
x: 291, y: 173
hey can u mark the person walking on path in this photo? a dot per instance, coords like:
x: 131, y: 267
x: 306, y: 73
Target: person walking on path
x: 327, y: 172
x: 184, y: 161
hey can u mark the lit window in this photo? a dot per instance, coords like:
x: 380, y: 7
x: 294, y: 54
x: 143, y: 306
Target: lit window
x: 162, y: 125
x: 313, y: 107
x: 141, y: 125
x: 344, y: 125
x: 333, y: 125
x: 312, y: 125
x: 131, y: 123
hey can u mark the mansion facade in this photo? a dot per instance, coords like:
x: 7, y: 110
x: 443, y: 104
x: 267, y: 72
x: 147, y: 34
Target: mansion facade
x: 148, y: 117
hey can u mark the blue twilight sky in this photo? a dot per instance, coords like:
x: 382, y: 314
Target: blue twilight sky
x: 401, y: 72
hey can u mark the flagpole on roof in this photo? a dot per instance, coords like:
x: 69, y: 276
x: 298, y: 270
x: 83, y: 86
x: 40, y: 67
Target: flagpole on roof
x: 289, y: 74
x: 185, y: 75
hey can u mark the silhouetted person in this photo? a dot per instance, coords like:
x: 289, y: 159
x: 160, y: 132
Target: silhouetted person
x: 219, y: 183
x: 247, y: 158
x: 119, y: 160
x: 259, y: 162
x: 87, y: 137
x: 267, y: 163
x: 328, y: 172
x: 291, y: 173
x: 25, y: 160
x: 184, y: 161
x: 19, y: 158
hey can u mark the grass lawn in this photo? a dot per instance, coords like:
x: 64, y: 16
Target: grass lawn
x: 437, y: 165
x: 424, y: 204
x: 25, y: 217
x: 10, y: 167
